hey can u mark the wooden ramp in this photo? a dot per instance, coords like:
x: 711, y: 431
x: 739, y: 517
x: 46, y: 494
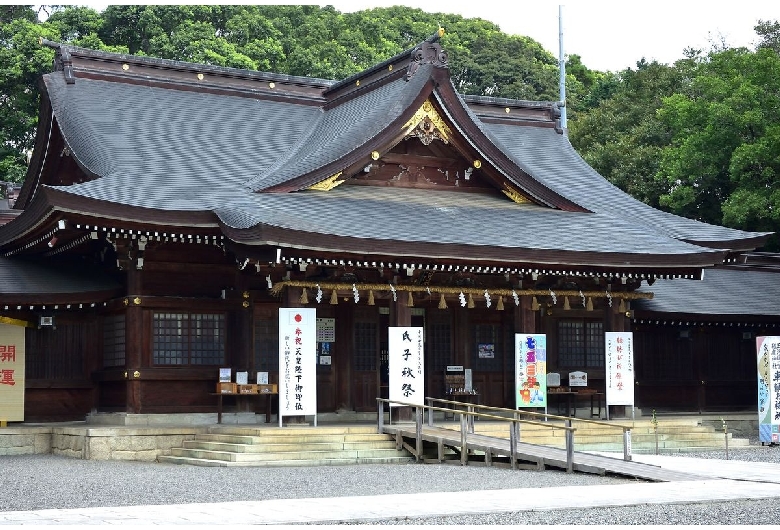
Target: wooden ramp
x: 436, y: 441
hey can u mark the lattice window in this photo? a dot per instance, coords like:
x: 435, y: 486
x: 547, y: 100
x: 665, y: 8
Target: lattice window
x: 114, y: 340
x: 188, y: 339
x: 580, y: 344
x: 365, y: 346
x: 441, y: 345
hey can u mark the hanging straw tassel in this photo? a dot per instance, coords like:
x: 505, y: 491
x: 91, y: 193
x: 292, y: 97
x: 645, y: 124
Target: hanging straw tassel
x: 589, y: 305
x: 471, y: 302
x: 304, y: 296
x: 534, y: 304
x: 410, y: 300
x: 566, y: 303
x: 622, y: 306
x: 334, y: 298
x: 500, y: 304
x: 371, y: 297
x: 442, y: 302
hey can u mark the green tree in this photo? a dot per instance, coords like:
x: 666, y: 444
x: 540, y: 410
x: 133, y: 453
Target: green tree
x: 22, y: 61
x: 722, y: 162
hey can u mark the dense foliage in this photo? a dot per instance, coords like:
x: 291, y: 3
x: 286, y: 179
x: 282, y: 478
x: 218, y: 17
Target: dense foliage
x: 699, y: 138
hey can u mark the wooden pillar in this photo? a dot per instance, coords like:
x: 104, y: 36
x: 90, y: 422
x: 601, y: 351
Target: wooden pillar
x: 524, y: 317
x: 134, y: 339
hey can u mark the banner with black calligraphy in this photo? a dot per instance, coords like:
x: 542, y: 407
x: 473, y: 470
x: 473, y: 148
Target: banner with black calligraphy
x: 11, y: 372
x: 619, y: 358
x: 406, y: 365
x: 297, y: 362
x: 768, y: 350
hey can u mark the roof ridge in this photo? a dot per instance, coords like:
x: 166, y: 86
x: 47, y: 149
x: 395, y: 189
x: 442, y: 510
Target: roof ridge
x: 185, y: 65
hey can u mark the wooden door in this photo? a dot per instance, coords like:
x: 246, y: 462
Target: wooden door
x: 365, y: 358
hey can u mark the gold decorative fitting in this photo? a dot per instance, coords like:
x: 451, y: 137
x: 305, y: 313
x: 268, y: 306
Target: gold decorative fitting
x: 427, y: 125
x: 125, y: 67
x: 137, y: 300
x: 357, y: 83
x: 245, y: 304
x: 515, y: 195
x: 200, y: 77
x: 126, y: 302
x: 245, y: 294
x: 374, y: 155
x: 136, y: 374
x: 390, y: 68
x: 441, y: 31
x: 272, y: 85
x: 327, y: 184
x: 477, y: 164
x: 507, y: 110
x: 125, y: 375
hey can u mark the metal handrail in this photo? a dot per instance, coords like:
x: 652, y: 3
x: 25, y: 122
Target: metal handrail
x: 464, y: 428
x: 625, y: 428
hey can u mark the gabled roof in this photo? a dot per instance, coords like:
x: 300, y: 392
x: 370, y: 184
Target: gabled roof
x: 185, y: 145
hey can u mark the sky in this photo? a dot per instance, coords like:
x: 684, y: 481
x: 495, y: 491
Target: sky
x: 607, y: 34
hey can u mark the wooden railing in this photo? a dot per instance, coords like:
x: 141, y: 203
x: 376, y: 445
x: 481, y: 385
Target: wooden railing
x: 465, y: 429
x: 517, y: 412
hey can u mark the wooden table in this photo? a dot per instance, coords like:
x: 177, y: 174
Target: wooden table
x: 268, y: 396
x: 596, y: 402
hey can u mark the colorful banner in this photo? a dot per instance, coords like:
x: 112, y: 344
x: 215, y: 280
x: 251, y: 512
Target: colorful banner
x: 619, y: 357
x: 406, y: 365
x: 297, y: 362
x: 11, y: 372
x: 768, y: 358
x: 530, y: 370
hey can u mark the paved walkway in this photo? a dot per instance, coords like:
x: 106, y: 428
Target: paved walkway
x: 758, y: 481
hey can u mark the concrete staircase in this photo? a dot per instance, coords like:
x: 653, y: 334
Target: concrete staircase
x: 674, y: 435
x: 227, y: 446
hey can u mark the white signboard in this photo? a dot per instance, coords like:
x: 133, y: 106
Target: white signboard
x: 406, y: 365
x: 619, y: 354
x: 768, y: 350
x: 11, y: 372
x: 297, y: 362
x: 326, y: 330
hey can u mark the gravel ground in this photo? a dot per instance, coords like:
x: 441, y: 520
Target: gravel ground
x: 46, y: 481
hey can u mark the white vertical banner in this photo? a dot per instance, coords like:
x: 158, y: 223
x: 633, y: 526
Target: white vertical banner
x: 406, y: 365
x: 11, y: 372
x: 619, y: 358
x: 297, y: 362
x: 768, y: 359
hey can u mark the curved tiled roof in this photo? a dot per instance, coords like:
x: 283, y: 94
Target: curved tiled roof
x: 720, y: 292
x: 342, y: 129
x: 550, y: 158
x: 22, y: 278
x: 174, y: 148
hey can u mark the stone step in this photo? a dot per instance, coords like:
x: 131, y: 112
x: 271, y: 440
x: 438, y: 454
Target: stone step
x: 293, y: 430
x: 292, y: 445
x: 287, y: 463
x: 230, y: 456
x: 309, y: 437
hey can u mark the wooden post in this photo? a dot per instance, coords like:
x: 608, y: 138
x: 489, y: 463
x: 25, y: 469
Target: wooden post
x: 569, y: 448
x: 134, y: 340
